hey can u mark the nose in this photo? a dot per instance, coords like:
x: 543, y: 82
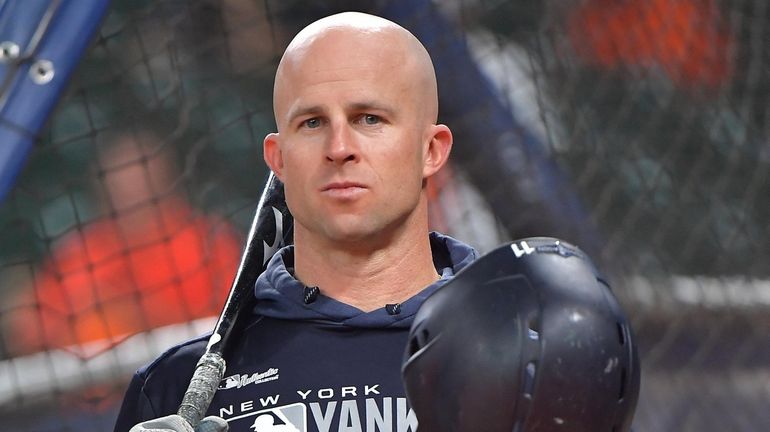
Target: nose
x: 342, y: 146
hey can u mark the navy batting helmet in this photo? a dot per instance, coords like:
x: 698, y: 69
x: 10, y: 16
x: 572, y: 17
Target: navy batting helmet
x: 528, y: 338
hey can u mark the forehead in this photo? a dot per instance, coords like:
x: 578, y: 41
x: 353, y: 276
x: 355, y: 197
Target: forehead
x: 337, y: 57
x: 371, y: 64
x: 377, y: 42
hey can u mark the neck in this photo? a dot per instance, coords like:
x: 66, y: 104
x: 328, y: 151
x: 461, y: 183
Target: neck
x: 150, y: 222
x: 371, y: 275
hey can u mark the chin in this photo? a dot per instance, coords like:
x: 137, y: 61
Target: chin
x: 349, y: 234
x: 352, y: 231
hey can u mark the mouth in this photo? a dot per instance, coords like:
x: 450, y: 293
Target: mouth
x: 342, y: 185
x: 343, y: 190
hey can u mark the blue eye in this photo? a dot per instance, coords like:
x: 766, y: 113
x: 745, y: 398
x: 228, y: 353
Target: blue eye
x: 312, y: 123
x: 371, y: 119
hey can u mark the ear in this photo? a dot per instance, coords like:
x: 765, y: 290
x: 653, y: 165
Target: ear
x: 437, y: 150
x: 271, y: 151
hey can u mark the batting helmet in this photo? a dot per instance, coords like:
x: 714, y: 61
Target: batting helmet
x: 528, y: 338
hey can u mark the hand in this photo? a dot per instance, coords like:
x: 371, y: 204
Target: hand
x: 175, y: 423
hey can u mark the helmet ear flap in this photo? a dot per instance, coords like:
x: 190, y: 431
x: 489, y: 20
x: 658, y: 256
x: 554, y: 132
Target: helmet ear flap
x: 529, y: 337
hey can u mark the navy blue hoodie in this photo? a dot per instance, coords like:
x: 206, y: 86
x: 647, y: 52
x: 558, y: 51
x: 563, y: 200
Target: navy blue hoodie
x: 305, y: 362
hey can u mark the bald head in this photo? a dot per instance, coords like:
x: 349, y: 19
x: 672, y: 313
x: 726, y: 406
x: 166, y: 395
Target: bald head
x: 351, y: 40
x: 356, y: 106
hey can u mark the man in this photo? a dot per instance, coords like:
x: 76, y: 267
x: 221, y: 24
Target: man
x: 155, y: 262
x: 355, y: 102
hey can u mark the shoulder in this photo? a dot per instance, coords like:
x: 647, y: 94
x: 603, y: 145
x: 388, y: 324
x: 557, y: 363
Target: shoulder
x: 168, y: 375
x: 100, y: 238
x: 157, y: 388
x: 177, y: 360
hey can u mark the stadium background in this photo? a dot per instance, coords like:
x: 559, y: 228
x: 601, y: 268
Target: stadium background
x: 637, y: 129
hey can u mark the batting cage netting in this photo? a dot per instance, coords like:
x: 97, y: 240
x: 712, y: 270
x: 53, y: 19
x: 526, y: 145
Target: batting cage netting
x: 636, y: 129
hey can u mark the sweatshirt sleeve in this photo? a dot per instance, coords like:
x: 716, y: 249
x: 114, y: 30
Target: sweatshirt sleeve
x: 136, y: 406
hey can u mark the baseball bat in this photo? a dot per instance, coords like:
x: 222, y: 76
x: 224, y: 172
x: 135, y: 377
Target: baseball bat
x: 270, y: 229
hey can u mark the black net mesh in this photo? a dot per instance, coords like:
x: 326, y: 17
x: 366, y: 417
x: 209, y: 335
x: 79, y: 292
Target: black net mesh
x: 637, y: 129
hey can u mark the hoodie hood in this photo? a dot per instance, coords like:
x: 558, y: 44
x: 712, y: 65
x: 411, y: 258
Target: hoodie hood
x: 279, y: 295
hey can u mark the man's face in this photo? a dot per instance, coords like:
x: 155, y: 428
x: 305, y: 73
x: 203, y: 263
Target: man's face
x: 353, y: 133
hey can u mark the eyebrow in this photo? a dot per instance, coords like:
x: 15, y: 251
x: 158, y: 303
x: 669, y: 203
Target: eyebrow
x: 355, y: 106
x: 372, y: 105
x: 303, y: 111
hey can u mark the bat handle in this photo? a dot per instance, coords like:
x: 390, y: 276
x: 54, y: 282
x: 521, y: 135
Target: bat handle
x: 206, y: 378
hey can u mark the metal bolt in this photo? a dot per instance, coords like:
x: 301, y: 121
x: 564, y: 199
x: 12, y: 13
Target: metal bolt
x: 41, y: 72
x: 8, y: 51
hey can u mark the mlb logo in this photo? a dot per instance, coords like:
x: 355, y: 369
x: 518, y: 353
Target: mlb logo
x: 289, y: 418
